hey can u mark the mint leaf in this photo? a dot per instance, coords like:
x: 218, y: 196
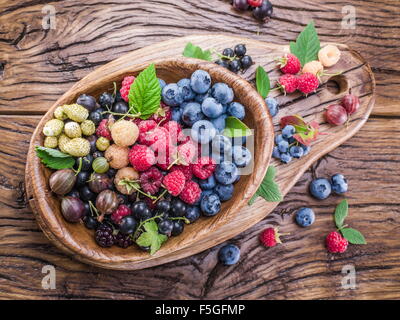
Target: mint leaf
x: 307, y: 45
x: 151, y: 238
x: 269, y: 189
x: 341, y: 213
x: 236, y: 128
x: 54, y: 159
x: 145, y: 93
x: 262, y: 82
x: 353, y: 236
x: 192, y: 51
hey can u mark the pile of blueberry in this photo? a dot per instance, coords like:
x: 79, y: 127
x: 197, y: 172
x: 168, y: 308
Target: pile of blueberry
x: 235, y: 59
x: 262, y: 9
x: 287, y: 147
x: 322, y: 188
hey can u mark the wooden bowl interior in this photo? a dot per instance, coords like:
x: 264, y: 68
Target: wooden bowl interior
x: 80, y: 240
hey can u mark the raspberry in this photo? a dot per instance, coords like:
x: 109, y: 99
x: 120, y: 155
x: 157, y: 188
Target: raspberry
x: 103, y: 130
x: 159, y: 140
x: 162, y: 114
x: 191, y: 192
x: 175, y: 131
x: 167, y: 158
x: 314, y: 67
x: 329, y: 55
x: 289, y: 63
x: 104, y: 236
x: 187, y: 152
x: 150, y: 180
x: 270, y: 237
x: 121, y: 212
x: 335, y: 243
x: 123, y: 240
x: 174, y: 182
x: 255, y: 3
x: 126, y: 86
x: 204, y: 167
x: 307, y: 83
x: 288, y: 83
x: 124, y: 133
x: 186, y: 170
x: 144, y: 127
x: 141, y: 157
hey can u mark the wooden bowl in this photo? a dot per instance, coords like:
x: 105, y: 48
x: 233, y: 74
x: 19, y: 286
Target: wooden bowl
x: 78, y: 241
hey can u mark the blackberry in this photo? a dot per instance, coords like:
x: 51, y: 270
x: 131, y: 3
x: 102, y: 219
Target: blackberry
x: 104, y: 236
x: 123, y: 240
x: 106, y: 100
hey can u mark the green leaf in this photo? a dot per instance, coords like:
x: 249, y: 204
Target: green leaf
x: 353, y: 236
x: 145, y: 93
x: 192, y: 51
x: 262, y: 82
x: 341, y: 213
x: 54, y: 159
x: 151, y: 238
x: 236, y: 128
x: 269, y: 189
x: 307, y: 45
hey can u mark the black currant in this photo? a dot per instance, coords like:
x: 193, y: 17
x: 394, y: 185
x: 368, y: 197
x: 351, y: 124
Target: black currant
x: 228, y: 52
x: 246, y: 62
x: 177, y: 228
x: 264, y: 11
x: 120, y: 107
x: 86, y: 194
x: 178, y: 208
x: 235, y: 66
x: 106, y: 100
x: 192, y: 213
x: 98, y: 154
x: 240, y: 50
x: 73, y: 193
x: 96, y: 116
x: 163, y: 206
x: 81, y: 178
x: 128, y: 225
x: 241, y: 5
x: 92, y: 141
x: 165, y: 227
x: 90, y: 222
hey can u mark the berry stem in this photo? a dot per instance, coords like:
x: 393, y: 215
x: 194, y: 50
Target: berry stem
x: 186, y: 220
x: 220, y: 55
x: 79, y: 167
x: 93, y: 208
x: 160, y: 196
x: 143, y: 193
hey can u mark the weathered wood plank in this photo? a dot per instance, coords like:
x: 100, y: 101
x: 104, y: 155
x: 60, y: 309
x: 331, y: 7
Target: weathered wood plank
x: 300, y: 268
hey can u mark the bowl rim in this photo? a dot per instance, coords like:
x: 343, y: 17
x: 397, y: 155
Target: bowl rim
x: 36, y: 181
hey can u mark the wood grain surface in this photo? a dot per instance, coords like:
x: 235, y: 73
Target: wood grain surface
x: 37, y: 66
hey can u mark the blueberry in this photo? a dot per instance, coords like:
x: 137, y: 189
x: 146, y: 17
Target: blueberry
x: 320, y: 188
x: 226, y: 172
x: 224, y: 108
x: 96, y: 116
x: 176, y: 114
x: 218, y: 157
x: 224, y: 192
x: 208, y: 184
x: 222, y: 93
x: 87, y: 101
x: 120, y: 107
x: 279, y: 138
x: 296, y: 151
x: 162, y: 83
x: 339, y: 184
x: 219, y: 123
x: 203, y: 131
x: 240, y: 50
x: 305, y: 217
x: 177, y: 228
x: 272, y: 105
x: 187, y: 91
x: 306, y: 149
x: 228, y: 52
x: 199, y: 98
x: 210, y: 204
x: 128, y: 225
x: 205, y: 193
x: 192, y: 113
x: 238, y: 141
x: 106, y: 100
x: 200, y: 81
x: 192, y: 213
x: 276, y: 153
x: 288, y: 131
x: 221, y: 144
x: 229, y: 254
x: 246, y: 62
x: 241, y: 156
x: 283, y: 146
x: 211, y: 108
x: 235, y: 66
x: 165, y: 226
x: 286, y: 157
x: 172, y: 95
x: 236, y: 109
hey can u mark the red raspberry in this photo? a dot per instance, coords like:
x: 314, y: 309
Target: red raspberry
x: 122, y: 211
x: 255, y: 3
x: 270, y: 237
x: 335, y: 243
x: 103, y: 130
x: 187, y: 152
x: 204, y: 167
x: 289, y: 63
x: 191, y: 192
x: 126, y: 86
x: 175, y: 131
x: 145, y: 126
x: 167, y: 158
x: 141, y: 157
x: 174, y: 182
x: 159, y: 140
x: 288, y: 83
x: 186, y: 170
x: 308, y: 83
x: 150, y: 180
x: 162, y: 114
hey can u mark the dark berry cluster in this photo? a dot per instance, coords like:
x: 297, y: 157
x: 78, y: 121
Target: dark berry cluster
x: 235, y: 59
x: 262, y: 9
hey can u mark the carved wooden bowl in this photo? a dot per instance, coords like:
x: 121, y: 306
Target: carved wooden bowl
x: 78, y: 241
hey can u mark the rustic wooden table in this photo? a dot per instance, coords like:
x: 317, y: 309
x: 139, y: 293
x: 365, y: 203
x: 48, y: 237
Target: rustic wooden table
x: 38, y: 65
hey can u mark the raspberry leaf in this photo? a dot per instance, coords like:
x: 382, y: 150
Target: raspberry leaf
x: 54, y: 159
x: 145, y: 93
x: 341, y: 213
x: 269, y: 189
x: 151, y: 238
x: 235, y: 128
x: 262, y: 82
x: 353, y: 236
x: 307, y: 44
x: 192, y: 51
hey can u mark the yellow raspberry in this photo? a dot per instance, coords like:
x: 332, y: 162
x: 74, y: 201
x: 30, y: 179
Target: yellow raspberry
x: 124, y: 133
x: 329, y: 55
x: 88, y: 127
x: 73, y: 130
x: 53, y: 128
x: 51, y: 142
x: 315, y: 67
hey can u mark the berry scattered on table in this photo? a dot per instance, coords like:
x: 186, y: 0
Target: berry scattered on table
x: 229, y: 254
x: 339, y: 184
x: 235, y: 59
x: 307, y: 83
x: 289, y: 63
x: 335, y: 243
x: 270, y: 237
x: 305, y: 217
x: 320, y: 188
